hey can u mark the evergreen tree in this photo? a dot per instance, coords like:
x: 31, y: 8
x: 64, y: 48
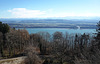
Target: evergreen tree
x: 1, y: 27
x: 4, y: 28
x: 98, y: 34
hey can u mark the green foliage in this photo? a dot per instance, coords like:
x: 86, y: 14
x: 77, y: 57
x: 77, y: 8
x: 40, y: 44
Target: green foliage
x: 98, y: 30
x: 4, y: 28
x: 98, y: 35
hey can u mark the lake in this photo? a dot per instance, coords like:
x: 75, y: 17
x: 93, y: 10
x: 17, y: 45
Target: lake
x: 63, y: 30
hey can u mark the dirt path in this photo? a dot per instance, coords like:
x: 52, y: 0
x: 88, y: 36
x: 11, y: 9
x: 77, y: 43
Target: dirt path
x: 17, y: 60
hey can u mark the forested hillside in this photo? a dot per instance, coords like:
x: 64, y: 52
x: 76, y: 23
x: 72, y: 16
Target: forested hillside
x: 43, y: 48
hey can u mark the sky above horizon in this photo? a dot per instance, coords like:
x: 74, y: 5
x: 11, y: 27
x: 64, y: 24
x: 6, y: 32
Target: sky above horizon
x: 49, y: 8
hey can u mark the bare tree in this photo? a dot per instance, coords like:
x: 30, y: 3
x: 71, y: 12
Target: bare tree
x: 32, y: 57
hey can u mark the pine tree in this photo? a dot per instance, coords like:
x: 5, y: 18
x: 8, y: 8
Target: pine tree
x: 98, y: 34
x: 4, y: 28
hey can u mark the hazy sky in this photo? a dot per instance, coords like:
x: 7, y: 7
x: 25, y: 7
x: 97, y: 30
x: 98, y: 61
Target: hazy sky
x: 48, y: 8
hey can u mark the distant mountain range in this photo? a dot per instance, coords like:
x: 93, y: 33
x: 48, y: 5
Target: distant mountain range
x: 82, y: 17
x: 32, y: 20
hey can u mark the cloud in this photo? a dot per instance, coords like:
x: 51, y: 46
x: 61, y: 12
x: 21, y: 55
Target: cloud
x: 25, y: 13
x: 50, y: 13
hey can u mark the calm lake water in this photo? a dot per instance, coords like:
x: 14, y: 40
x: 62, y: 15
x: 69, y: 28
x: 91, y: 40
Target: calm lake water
x: 63, y: 30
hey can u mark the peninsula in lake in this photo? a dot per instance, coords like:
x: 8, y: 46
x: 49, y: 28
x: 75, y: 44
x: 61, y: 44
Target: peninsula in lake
x: 51, y: 23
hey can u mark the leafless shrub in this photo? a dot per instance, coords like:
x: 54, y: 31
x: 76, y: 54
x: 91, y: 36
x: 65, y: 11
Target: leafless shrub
x: 32, y: 57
